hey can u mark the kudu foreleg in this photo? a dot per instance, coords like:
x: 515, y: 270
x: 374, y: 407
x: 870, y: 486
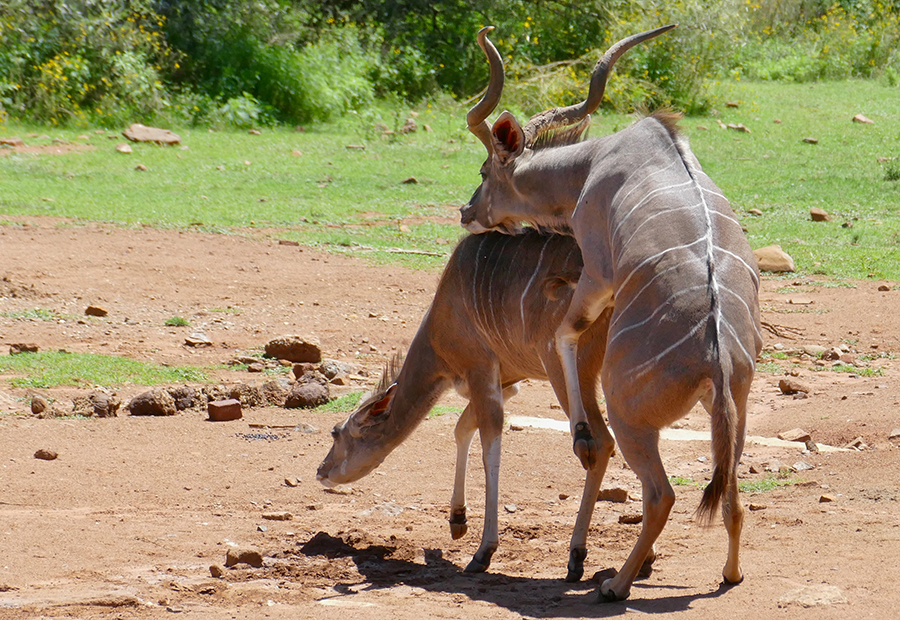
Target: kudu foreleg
x: 588, y: 303
x: 465, y: 433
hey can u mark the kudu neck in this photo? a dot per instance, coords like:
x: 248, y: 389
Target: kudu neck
x: 553, y: 178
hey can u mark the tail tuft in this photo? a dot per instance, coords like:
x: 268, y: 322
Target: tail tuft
x: 712, y: 496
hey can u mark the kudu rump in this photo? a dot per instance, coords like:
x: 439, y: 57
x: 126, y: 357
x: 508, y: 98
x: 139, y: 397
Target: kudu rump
x: 663, y: 250
x: 491, y: 324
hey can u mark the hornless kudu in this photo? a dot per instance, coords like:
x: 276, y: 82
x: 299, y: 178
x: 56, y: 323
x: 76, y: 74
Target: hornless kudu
x: 491, y: 324
x: 662, y: 248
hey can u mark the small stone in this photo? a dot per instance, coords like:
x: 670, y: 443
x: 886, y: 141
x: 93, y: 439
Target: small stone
x: 819, y: 215
x: 563, y: 496
x: 895, y: 435
x: 142, y: 133
x: 732, y: 104
x: 291, y: 481
x: 277, y: 516
x: 773, y: 258
x: 356, y: 147
x: 307, y: 395
x: 738, y: 127
x: 801, y: 466
x: 777, y: 121
x: 409, y: 181
x: 617, y: 495
x: 141, y: 168
x: 755, y: 212
x: 856, y: 444
x: 295, y: 349
x: 884, y: 288
x: 289, y: 242
x: 755, y: 507
x: 156, y: 402
x: 224, y: 410
x: 811, y: 140
x: 824, y: 499
x: 813, y: 596
x: 316, y: 506
x: 255, y: 367
x: 243, y: 555
x: 14, y: 142
x: 832, y: 354
x: 516, y: 427
x: 789, y: 386
x: 22, y: 347
x: 198, y: 339
x: 859, y: 118
x: 96, y: 311
x: 255, y: 132
x: 510, y: 508
x: 756, y: 468
x: 774, y: 466
x: 631, y: 518
x: 404, y: 229
x: 296, y: 153
x: 123, y: 148
x: 795, y: 434
x: 39, y: 404
x: 45, y: 455
x: 217, y: 571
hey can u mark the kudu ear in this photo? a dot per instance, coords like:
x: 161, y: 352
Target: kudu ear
x: 508, y: 138
x: 378, y: 408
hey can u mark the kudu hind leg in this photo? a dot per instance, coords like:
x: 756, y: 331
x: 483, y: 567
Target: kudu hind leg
x: 588, y: 302
x: 640, y: 448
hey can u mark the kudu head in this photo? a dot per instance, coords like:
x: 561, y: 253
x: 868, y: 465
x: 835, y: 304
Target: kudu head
x: 364, y: 439
x: 498, y: 203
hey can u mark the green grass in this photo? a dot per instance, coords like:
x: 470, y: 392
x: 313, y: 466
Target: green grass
x: 177, y: 321
x: 40, y: 314
x: 345, y: 403
x: 51, y: 369
x: 769, y: 482
x: 352, y: 200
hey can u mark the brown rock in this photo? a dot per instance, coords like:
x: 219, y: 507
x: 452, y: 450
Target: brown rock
x: 216, y: 571
x: 617, y: 495
x: 243, y: 555
x: 832, y: 354
x: 307, y: 395
x: 811, y: 140
x: 788, y: 386
x: 274, y: 392
x: 819, y: 215
x: 288, y: 242
x: 732, y: 104
x: 859, y: 118
x: 291, y: 481
x: 409, y: 126
x: 156, y: 402
x: 631, y: 518
x: 255, y: 132
x: 826, y: 498
x: 409, y: 181
x: 96, y: 311
x: 856, y: 444
x: 141, y: 168
x: 295, y: 349
x: 96, y: 404
x: 755, y: 212
x: 39, y: 404
x: 277, y: 516
x: 185, y: 397
x: 22, y: 347
x: 795, y: 434
x: 14, y: 142
x: 884, y: 288
x: 773, y: 258
x: 224, y: 411
x: 738, y: 127
x: 123, y: 148
x: 248, y: 395
x: 142, y: 133
x: 755, y: 507
x: 45, y: 455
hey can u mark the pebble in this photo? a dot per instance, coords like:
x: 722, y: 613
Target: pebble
x: 617, y: 495
x: 45, y: 455
x: 243, y: 555
x: 631, y: 518
x: 216, y: 571
x: 278, y: 516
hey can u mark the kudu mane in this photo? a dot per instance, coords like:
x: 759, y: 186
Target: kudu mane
x: 388, y: 378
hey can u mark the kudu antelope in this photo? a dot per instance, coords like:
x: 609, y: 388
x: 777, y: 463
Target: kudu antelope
x: 662, y: 248
x: 491, y: 324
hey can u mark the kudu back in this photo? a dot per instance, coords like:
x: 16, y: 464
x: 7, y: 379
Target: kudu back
x: 662, y: 249
x: 491, y: 324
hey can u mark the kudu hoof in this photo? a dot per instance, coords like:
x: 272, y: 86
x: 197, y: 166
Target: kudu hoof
x: 475, y: 566
x: 576, y: 565
x: 584, y: 446
x: 608, y: 595
x: 458, y: 525
x: 729, y: 582
x: 646, y: 568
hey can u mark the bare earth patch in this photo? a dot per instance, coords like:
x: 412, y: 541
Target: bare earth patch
x: 127, y: 521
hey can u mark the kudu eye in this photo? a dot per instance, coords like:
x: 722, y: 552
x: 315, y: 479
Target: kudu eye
x: 335, y: 433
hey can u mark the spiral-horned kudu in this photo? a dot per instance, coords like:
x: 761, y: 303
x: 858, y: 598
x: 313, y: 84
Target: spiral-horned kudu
x: 491, y: 324
x: 662, y: 248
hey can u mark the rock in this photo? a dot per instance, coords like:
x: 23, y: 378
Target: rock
x: 813, y: 596
x: 22, y: 347
x: 814, y: 350
x: 243, y: 555
x: 795, y: 434
x: 755, y: 507
x: 307, y: 395
x: 45, y: 455
x: 198, y: 339
x: 142, y: 133
x: 96, y: 311
x: 832, y: 354
x: 811, y: 140
x: 510, y: 508
x: 278, y: 516
x: 255, y: 367
x: 773, y: 467
x: 275, y: 392
x: 738, y: 127
x: 631, y: 518
x: 356, y: 147
x: 563, y: 497
x: 247, y: 395
x: 96, y: 404
x: 824, y: 499
x: 255, y: 132
x: 895, y: 435
x: 409, y: 126
x: 292, y: 481
x: 154, y: 402
x: 819, y: 215
x: 788, y: 386
x: 732, y: 104
x: 296, y: 153
x: 884, y: 288
x: 123, y: 148
x: 332, y: 368
x: 755, y: 212
x: 409, y: 181
x: 289, y: 242
x: 216, y: 571
x: 340, y: 380
x: 224, y: 411
x: 141, y: 168
x: 617, y: 495
x: 773, y: 258
x: 856, y: 444
x: 13, y: 142
x: 777, y: 121
x: 295, y: 349
x: 185, y: 397
x: 801, y: 466
x: 859, y: 118
x: 39, y: 404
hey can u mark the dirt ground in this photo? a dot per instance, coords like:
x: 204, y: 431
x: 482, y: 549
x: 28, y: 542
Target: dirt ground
x: 128, y: 520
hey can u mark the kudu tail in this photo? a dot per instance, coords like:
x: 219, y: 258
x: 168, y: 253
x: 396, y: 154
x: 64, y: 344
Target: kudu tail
x: 724, y: 444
